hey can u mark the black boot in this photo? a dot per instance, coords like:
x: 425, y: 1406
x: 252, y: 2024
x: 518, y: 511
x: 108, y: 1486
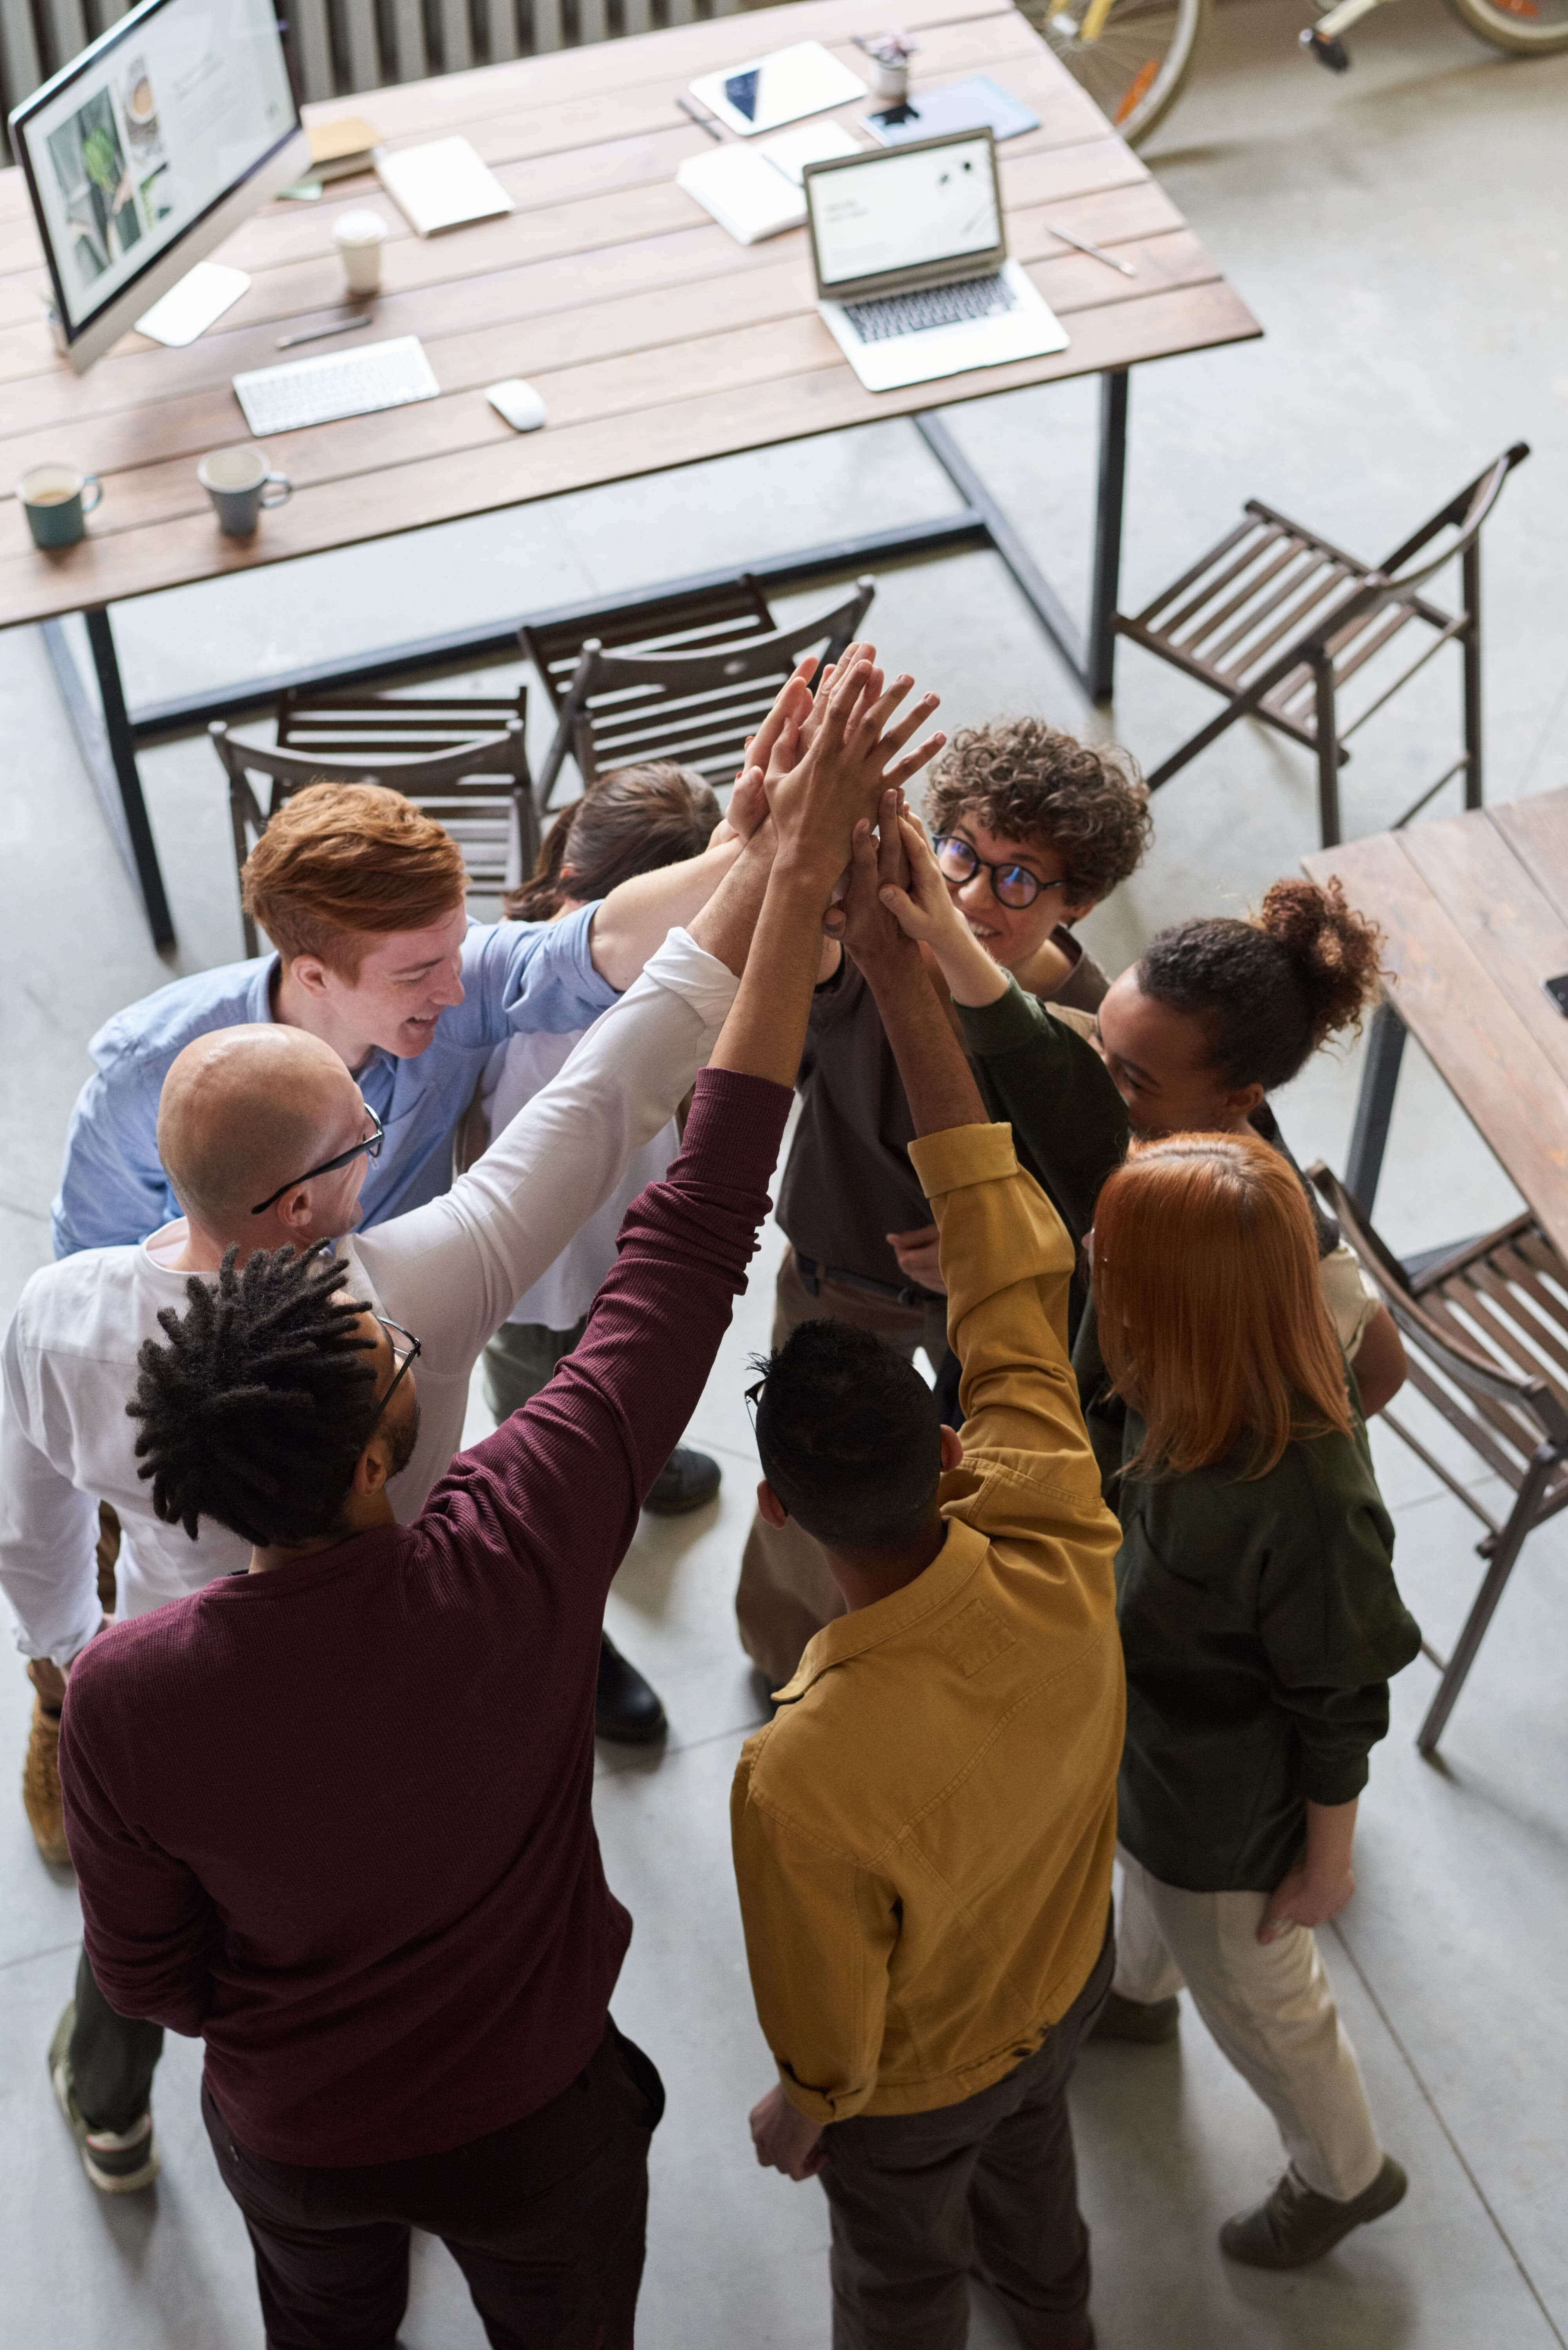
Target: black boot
x: 686, y: 1480
x: 625, y: 1709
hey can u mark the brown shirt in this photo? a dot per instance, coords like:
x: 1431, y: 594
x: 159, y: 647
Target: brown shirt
x: 848, y: 1181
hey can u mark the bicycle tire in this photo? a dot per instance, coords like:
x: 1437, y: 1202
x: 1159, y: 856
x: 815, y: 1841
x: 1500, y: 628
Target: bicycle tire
x: 1136, y: 64
x: 1524, y: 29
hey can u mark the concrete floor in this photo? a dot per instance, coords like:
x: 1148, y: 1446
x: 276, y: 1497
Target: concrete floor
x: 1400, y: 235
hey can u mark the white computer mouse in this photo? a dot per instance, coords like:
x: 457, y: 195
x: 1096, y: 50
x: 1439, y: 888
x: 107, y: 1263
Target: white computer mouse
x: 518, y: 402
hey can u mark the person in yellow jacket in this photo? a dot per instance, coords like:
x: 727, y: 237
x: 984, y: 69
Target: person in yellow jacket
x: 923, y: 1833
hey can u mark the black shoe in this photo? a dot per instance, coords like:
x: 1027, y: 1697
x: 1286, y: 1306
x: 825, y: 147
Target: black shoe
x: 686, y: 1480
x: 625, y: 1707
x: 1295, y: 2226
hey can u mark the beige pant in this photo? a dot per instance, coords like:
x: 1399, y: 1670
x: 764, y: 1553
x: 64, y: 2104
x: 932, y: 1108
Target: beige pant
x: 1269, y: 2010
x: 787, y: 1592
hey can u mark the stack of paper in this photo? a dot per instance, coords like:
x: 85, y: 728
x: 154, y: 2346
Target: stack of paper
x: 441, y: 185
x: 756, y: 192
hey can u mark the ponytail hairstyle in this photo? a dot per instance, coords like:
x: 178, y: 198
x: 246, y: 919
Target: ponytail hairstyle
x: 1212, y: 1325
x: 632, y: 820
x: 1270, y: 990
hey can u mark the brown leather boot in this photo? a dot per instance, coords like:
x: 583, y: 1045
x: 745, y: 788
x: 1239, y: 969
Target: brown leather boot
x: 41, y: 1787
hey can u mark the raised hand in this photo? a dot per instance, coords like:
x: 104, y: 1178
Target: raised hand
x: 924, y: 910
x: 840, y: 773
x: 866, y: 923
x: 773, y: 749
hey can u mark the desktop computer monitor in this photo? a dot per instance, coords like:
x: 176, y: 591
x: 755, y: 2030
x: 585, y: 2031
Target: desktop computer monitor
x: 151, y: 148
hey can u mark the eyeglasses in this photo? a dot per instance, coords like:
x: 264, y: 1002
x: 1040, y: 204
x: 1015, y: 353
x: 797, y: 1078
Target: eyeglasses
x: 403, y: 1360
x: 370, y: 1145
x: 959, y: 860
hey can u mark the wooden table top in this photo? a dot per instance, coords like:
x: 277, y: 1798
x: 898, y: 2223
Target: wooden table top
x: 655, y: 340
x: 1476, y: 911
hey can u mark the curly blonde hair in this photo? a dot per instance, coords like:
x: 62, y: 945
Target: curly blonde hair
x: 1027, y: 781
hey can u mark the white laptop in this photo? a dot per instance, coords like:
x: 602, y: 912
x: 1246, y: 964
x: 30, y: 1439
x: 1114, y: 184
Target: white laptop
x: 912, y: 273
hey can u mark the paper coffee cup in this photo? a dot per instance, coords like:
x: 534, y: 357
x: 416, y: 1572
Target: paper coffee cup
x: 359, y: 237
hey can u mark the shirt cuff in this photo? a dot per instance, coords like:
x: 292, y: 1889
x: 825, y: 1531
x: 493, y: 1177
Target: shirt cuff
x: 963, y: 1155
x: 1013, y: 1020
x: 688, y: 970
x: 1333, y: 1778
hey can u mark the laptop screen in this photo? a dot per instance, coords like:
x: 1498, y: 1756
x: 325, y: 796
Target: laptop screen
x: 904, y: 210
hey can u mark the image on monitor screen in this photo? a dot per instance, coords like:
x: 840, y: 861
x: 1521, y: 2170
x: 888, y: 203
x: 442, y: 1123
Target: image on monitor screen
x: 150, y: 129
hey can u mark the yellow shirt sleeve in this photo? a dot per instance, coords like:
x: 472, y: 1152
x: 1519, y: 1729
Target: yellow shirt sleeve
x: 820, y: 1931
x: 1007, y: 1261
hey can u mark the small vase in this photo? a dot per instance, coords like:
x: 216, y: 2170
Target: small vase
x: 890, y: 79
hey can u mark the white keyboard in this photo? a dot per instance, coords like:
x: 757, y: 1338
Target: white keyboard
x: 335, y: 383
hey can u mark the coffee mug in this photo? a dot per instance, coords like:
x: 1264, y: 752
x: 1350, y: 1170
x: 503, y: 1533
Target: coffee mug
x: 237, y: 482
x: 55, y: 501
x: 359, y: 237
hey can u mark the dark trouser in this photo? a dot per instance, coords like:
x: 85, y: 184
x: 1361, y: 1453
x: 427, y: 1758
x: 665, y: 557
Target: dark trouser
x: 545, y: 2219
x: 112, y: 2058
x: 989, y: 2188
x: 523, y: 1358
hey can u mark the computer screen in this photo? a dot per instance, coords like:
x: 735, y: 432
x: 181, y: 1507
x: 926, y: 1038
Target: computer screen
x: 902, y: 210
x: 145, y: 135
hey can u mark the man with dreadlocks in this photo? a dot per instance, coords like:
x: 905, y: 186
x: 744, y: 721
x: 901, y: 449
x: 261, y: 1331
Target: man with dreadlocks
x: 358, y: 1856
x: 265, y: 1135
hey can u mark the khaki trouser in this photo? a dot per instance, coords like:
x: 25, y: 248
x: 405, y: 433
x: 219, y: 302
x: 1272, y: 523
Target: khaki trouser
x: 786, y: 1594
x: 1269, y: 2010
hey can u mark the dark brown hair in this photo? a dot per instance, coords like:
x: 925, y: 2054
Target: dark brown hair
x: 342, y: 864
x: 1028, y: 781
x: 1274, y: 988
x: 630, y: 821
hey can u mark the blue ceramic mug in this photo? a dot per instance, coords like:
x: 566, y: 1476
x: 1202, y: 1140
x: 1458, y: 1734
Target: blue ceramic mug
x: 57, y: 501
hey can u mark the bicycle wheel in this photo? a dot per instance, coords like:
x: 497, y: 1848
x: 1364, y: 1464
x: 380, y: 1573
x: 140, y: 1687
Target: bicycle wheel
x: 1531, y: 28
x: 1131, y: 56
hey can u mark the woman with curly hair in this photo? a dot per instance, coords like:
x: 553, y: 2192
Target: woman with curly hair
x: 1033, y: 829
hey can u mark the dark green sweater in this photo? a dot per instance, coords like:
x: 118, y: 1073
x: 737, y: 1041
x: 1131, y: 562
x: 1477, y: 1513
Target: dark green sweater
x: 1259, y: 1617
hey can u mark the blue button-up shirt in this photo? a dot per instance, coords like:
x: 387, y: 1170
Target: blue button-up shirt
x: 516, y: 977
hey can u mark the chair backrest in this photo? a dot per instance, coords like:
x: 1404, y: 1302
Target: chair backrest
x: 697, y: 706
x: 1523, y: 1409
x: 1390, y: 584
x: 727, y: 612
x: 477, y: 786
x: 344, y: 45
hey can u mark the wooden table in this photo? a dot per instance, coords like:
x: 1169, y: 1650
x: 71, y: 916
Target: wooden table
x: 655, y: 340
x: 1476, y: 912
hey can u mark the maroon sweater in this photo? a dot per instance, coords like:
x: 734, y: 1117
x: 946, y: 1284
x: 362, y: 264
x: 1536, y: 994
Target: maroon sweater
x: 337, y: 1818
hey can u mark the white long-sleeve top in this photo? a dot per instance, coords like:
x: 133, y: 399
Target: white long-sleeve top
x: 515, y: 1072
x: 450, y: 1272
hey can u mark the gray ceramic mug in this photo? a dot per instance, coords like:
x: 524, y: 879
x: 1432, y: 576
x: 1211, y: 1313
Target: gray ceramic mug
x: 238, y: 483
x: 57, y: 502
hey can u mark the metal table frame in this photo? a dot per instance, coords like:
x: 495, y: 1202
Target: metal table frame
x: 1375, y: 1106
x: 109, y: 733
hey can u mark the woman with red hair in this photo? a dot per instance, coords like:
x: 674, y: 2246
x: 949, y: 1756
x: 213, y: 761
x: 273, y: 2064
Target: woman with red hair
x: 1260, y: 1622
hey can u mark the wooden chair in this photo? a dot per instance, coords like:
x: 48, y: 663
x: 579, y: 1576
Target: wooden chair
x: 1278, y: 620
x: 462, y: 759
x: 1486, y: 1327
x: 685, y: 677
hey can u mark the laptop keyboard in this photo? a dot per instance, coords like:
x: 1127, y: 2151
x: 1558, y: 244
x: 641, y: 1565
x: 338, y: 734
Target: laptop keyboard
x: 933, y: 306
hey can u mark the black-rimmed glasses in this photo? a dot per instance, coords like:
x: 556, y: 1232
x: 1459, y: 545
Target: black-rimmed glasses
x: 403, y: 1361
x: 959, y: 860
x: 371, y: 1144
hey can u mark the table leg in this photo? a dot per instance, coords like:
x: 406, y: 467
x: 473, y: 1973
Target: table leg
x: 108, y: 747
x: 1374, y: 1106
x: 1106, y: 582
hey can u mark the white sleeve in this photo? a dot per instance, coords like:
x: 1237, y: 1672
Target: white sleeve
x: 48, y: 1529
x: 453, y: 1270
x: 1350, y: 1302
